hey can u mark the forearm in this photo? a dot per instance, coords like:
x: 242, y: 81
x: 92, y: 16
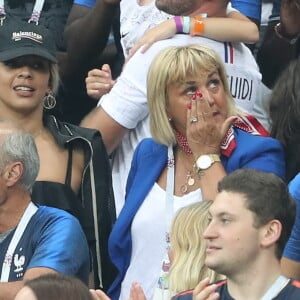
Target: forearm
x: 87, y: 36
x: 111, y: 132
x: 290, y: 18
x: 236, y: 28
x: 288, y: 29
x: 276, y: 52
x: 8, y: 290
x: 228, y: 29
x: 209, y: 179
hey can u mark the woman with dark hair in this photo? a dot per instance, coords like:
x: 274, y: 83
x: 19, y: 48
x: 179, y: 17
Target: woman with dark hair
x: 285, y: 122
x: 285, y: 116
x: 74, y: 168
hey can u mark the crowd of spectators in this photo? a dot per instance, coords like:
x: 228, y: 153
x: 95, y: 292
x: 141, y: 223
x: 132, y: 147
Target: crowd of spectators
x: 116, y: 116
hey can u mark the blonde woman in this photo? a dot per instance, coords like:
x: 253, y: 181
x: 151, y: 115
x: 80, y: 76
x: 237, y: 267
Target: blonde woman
x: 198, y: 137
x: 74, y: 172
x: 187, y: 252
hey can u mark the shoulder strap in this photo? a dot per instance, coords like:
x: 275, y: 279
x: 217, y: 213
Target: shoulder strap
x: 68, y: 179
x: 35, y: 15
x: 6, y: 266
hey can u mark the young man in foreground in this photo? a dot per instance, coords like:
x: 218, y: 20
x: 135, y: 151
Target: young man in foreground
x: 251, y: 220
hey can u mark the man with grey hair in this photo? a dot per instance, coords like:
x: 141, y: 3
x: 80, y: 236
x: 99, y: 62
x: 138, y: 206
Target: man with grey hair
x: 34, y: 240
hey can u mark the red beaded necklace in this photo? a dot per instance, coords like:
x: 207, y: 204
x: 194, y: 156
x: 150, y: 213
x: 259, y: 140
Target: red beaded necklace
x: 183, y: 143
x: 246, y: 123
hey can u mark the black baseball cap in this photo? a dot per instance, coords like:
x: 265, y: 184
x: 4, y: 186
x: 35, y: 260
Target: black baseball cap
x: 19, y: 38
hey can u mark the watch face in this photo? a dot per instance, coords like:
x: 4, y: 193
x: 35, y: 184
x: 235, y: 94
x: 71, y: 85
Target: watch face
x: 204, y: 162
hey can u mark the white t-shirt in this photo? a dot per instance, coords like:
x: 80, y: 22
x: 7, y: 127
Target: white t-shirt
x: 135, y: 19
x: 148, y: 240
x: 127, y: 101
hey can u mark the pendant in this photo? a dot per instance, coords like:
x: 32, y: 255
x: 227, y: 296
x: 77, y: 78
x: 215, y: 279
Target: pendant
x: 183, y: 189
x: 191, y: 181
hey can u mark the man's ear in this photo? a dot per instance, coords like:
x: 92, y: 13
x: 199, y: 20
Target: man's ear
x: 271, y: 233
x: 13, y: 173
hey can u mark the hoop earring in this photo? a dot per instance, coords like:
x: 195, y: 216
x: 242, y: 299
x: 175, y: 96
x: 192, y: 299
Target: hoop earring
x: 49, y: 101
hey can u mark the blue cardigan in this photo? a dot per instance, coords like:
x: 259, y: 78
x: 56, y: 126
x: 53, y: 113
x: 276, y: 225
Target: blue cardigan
x: 149, y: 160
x: 292, y: 247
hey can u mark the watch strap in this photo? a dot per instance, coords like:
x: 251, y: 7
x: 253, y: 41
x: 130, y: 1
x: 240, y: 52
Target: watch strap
x: 214, y: 158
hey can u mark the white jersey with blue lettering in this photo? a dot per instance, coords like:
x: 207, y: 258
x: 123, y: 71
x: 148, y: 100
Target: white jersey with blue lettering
x: 126, y: 103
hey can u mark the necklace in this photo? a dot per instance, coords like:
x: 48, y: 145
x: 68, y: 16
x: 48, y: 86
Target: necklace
x: 183, y: 143
x: 189, y: 179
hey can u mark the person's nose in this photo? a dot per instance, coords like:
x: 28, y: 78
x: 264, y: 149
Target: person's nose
x: 206, y: 95
x: 210, y: 232
x: 25, y: 72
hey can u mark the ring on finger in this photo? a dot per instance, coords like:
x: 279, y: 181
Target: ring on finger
x: 193, y: 120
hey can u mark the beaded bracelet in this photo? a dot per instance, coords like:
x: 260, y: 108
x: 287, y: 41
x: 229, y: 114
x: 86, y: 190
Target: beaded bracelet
x: 178, y: 24
x: 198, y: 26
x: 186, y: 24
